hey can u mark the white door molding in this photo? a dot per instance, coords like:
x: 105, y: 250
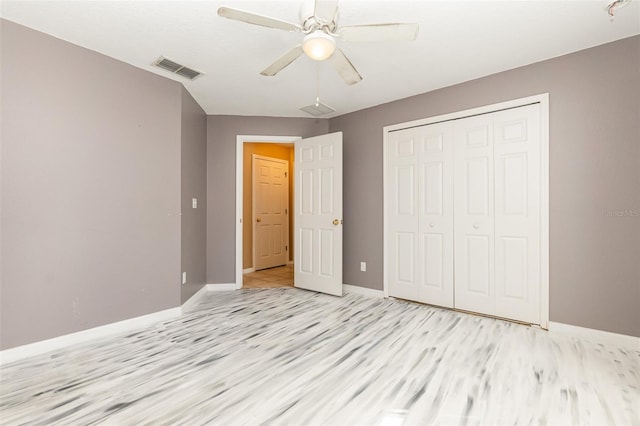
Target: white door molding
x: 240, y: 141
x: 543, y: 100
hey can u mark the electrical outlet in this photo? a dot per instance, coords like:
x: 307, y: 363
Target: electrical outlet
x: 363, y: 266
x: 184, y: 278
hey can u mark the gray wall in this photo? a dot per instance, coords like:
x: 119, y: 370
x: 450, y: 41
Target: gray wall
x: 193, y: 184
x: 221, y: 180
x: 594, y: 169
x: 90, y: 189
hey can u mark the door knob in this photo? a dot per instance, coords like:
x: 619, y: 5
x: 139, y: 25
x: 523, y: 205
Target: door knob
x: 476, y: 226
x: 258, y: 220
x: 336, y: 222
x: 431, y: 225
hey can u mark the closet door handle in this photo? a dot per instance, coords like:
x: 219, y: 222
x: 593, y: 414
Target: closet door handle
x: 476, y: 226
x: 431, y: 225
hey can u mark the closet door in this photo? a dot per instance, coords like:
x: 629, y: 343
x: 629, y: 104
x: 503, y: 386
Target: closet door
x: 403, y: 221
x: 421, y: 214
x: 517, y: 213
x: 436, y: 215
x: 474, y: 216
x: 497, y: 213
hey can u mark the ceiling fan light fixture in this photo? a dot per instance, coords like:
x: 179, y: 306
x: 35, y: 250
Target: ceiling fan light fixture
x: 318, y: 45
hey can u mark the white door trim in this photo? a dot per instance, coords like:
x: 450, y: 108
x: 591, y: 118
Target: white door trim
x: 543, y: 100
x: 240, y: 141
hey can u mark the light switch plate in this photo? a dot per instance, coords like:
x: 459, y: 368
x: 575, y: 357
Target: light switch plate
x: 184, y: 278
x: 363, y: 266
x: 194, y: 203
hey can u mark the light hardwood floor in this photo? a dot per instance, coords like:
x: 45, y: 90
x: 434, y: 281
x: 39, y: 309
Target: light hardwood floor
x: 286, y: 356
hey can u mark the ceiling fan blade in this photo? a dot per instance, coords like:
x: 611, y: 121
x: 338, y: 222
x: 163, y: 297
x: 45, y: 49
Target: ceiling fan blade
x: 326, y: 10
x: 283, y: 61
x: 345, y: 68
x: 380, y: 32
x: 252, y: 18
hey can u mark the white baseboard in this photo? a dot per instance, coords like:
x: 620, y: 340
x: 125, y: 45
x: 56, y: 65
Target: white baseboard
x: 248, y: 270
x: 193, y: 300
x: 44, y: 346
x: 355, y: 289
x: 221, y: 287
x: 597, y: 336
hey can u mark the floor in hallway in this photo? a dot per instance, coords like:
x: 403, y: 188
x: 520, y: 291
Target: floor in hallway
x: 286, y: 356
x: 281, y: 276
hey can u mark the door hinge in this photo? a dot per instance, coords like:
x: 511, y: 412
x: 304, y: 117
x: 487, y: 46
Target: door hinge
x: 285, y: 174
x: 286, y: 248
x: 286, y: 211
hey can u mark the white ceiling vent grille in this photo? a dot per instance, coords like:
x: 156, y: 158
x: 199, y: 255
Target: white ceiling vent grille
x: 318, y: 109
x: 176, y: 68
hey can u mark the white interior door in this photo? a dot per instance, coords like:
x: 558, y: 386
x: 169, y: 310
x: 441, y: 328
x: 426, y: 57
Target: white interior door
x: 270, y: 212
x: 318, y: 214
x: 420, y: 219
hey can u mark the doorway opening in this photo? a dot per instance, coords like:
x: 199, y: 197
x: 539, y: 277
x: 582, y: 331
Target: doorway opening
x: 259, y: 263
x: 280, y: 276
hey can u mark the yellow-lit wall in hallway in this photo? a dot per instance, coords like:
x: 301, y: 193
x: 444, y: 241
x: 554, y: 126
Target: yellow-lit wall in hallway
x: 282, y: 152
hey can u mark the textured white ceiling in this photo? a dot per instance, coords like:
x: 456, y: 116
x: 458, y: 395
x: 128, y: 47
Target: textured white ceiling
x: 458, y: 41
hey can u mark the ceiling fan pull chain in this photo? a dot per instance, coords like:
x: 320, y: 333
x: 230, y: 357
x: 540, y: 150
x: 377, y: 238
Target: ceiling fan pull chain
x: 317, y: 83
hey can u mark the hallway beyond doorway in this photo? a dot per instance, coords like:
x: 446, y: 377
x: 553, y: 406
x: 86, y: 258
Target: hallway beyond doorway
x: 281, y: 276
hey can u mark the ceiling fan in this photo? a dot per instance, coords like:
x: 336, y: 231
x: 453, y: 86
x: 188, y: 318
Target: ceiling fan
x: 319, y: 24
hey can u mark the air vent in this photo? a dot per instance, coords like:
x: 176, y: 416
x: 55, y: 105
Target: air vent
x: 176, y: 68
x: 318, y: 109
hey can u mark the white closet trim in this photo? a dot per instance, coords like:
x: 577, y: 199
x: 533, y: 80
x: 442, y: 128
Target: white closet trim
x: 543, y: 100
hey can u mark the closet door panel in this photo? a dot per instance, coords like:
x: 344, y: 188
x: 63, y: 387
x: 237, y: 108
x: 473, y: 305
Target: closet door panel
x: 474, y: 215
x: 403, y: 214
x: 517, y: 213
x: 436, y: 214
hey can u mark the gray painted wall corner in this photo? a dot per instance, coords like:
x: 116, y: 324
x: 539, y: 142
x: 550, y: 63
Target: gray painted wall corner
x: 193, y: 166
x: 90, y: 189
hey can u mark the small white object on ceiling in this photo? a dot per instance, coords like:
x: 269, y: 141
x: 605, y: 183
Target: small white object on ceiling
x: 618, y: 4
x: 318, y: 109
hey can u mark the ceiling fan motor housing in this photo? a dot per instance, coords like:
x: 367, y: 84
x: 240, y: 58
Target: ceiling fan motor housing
x: 310, y: 22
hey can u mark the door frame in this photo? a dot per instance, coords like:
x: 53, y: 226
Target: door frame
x: 240, y: 141
x: 253, y: 203
x: 543, y: 100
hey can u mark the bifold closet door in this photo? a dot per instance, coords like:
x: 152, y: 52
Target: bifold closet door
x: 420, y: 214
x: 497, y: 213
x: 517, y: 153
